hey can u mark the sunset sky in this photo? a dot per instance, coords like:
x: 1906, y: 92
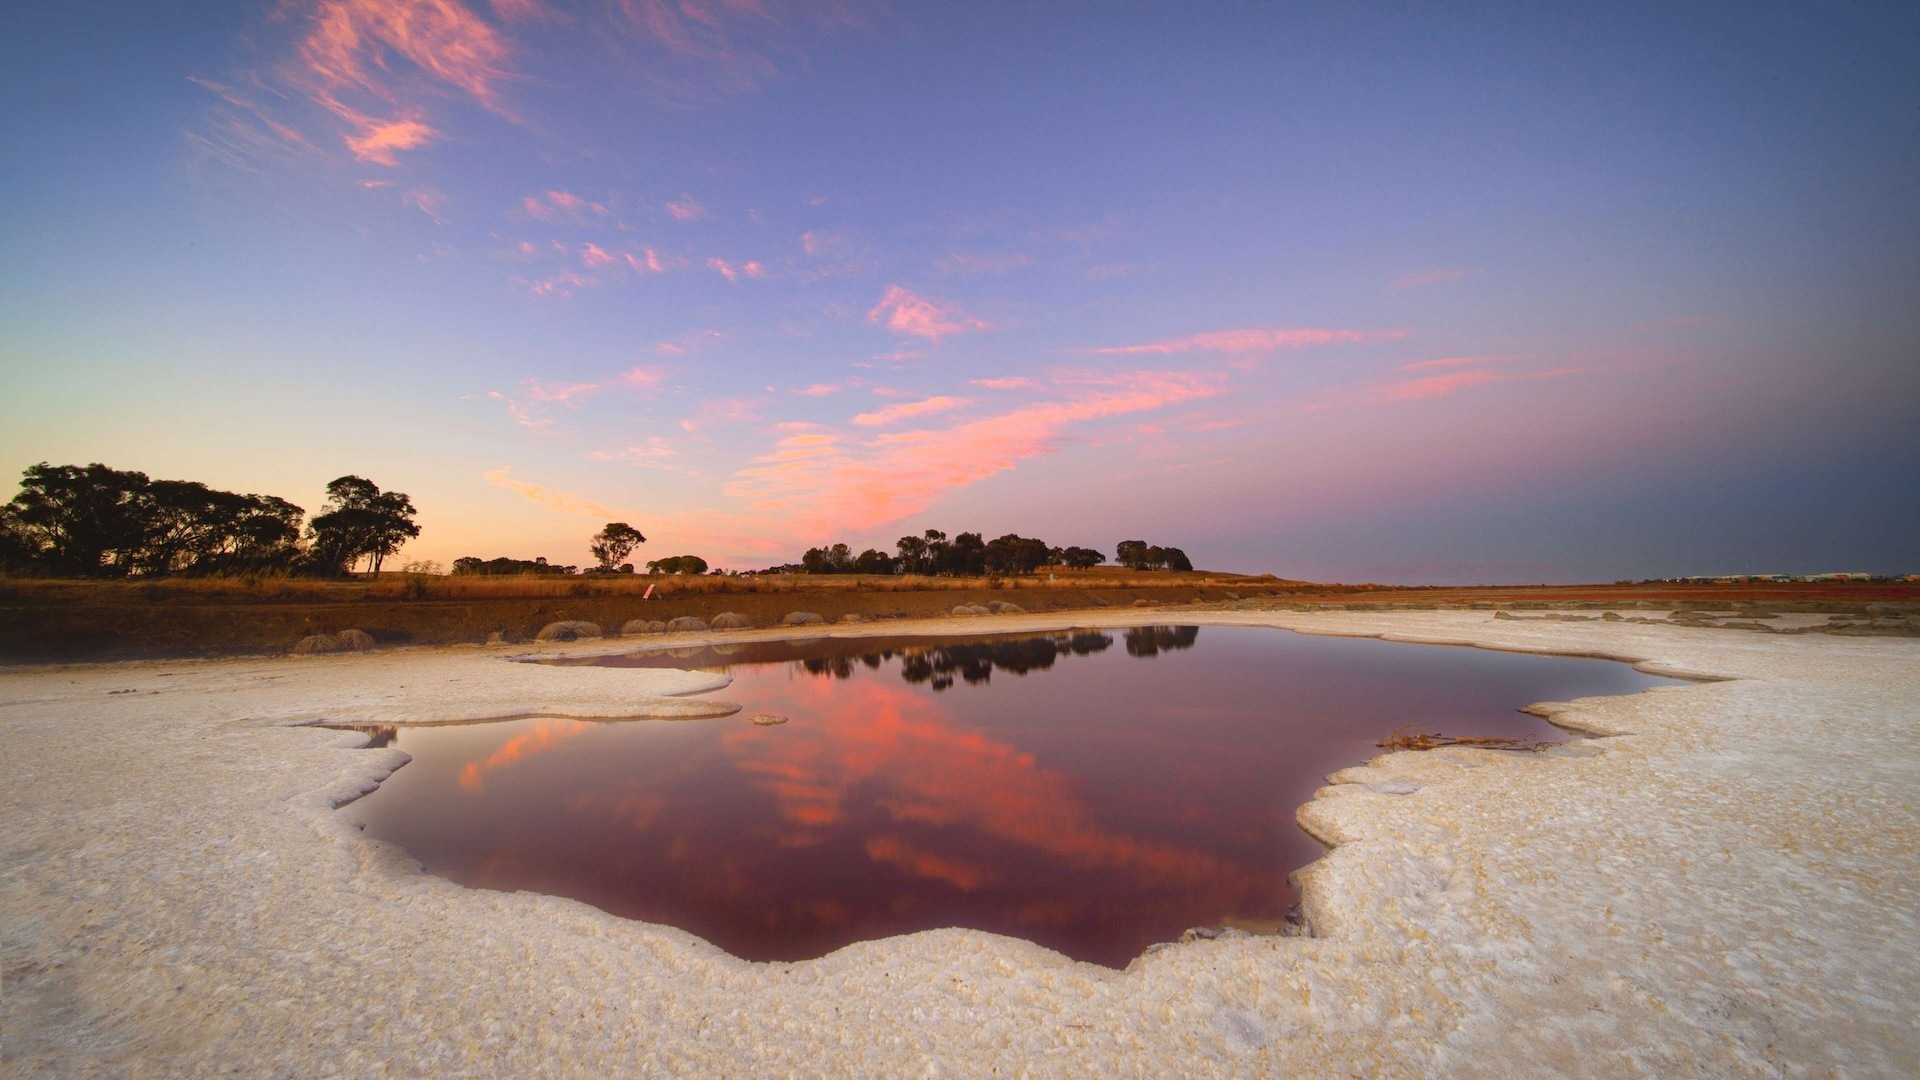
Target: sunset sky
x: 1343, y: 292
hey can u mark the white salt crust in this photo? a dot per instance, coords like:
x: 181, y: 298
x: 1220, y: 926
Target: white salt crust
x: 1726, y: 884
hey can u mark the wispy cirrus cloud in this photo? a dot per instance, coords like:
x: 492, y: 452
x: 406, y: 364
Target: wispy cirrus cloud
x: 1249, y: 341
x: 749, y: 269
x: 380, y: 141
x: 1456, y: 381
x: 723, y: 413
x: 551, y: 498
x: 1439, y: 275
x: 568, y: 394
x: 645, y: 378
x: 965, y: 262
x: 653, y: 452
x: 907, y: 410
x: 562, y: 207
x: 818, y: 242
x: 647, y: 262
x: 376, y: 64
x: 905, y: 312
x: 429, y: 201
x: 691, y: 341
x: 697, y: 51
x: 686, y: 208
x: 1015, y: 382
x: 821, y: 482
x: 816, y: 390
x: 1458, y: 361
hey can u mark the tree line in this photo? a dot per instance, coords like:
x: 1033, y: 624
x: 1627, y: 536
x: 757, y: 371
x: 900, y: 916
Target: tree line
x: 970, y: 555
x: 96, y: 521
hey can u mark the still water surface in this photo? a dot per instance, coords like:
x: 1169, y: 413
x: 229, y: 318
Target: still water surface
x: 1093, y: 791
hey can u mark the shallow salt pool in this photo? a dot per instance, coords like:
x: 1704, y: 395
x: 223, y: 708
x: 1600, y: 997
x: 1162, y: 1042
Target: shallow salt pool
x: 1092, y: 791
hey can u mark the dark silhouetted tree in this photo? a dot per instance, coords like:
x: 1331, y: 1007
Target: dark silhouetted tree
x: 358, y: 521
x: 612, y: 545
x: 873, y: 561
x: 1080, y: 558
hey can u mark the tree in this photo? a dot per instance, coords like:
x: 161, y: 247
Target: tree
x: 1131, y: 554
x: 360, y: 520
x: 1016, y: 554
x: 678, y: 564
x: 613, y: 544
x: 967, y: 555
x: 1080, y: 558
x: 83, y: 522
x: 873, y: 561
x: 913, y: 554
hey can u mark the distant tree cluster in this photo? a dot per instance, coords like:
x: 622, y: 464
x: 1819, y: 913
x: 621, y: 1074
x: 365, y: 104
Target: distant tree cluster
x: 677, y: 564
x: 468, y: 565
x: 96, y: 521
x: 932, y: 553
x: 1139, y: 555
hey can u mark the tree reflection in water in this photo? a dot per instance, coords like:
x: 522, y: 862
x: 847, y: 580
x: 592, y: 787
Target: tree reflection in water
x: 1104, y: 807
x: 974, y: 662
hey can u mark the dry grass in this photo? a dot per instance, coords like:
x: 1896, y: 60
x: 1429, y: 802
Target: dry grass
x: 1401, y: 739
x: 404, y: 586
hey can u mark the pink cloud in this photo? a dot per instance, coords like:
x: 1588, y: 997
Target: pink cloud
x: 816, y: 390
x: 561, y: 206
x: 825, y: 486
x: 816, y: 242
x: 690, y: 341
x: 754, y: 270
x: 594, y: 255
x: 561, y: 284
x: 1441, y: 275
x: 971, y: 263
x: 1456, y: 361
x: 686, y: 209
x: 646, y: 378
x: 1017, y: 382
x: 551, y: 498
x: 426, y: 200
x: 723, y: 268
x: 520, y: 414
x: 513, y: 11
x: 652, y: 453
x: 648, y: 263
x: 700, y: 50
x: 378, y: 141
x: 351, y: 43
x: 907, y: 410
x: 1250, y: 341
x: 1442, y: 385
x: 568, y: 394
x: 905, y: 312
x: 722, y: 412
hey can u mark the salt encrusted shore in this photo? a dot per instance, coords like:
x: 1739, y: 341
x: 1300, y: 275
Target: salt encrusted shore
x: 1726, y: 883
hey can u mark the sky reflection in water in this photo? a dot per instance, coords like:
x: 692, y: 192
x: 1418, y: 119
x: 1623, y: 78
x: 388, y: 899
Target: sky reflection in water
x: 1092, y: 791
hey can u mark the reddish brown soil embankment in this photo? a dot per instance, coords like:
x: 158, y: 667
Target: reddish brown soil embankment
x: 93, y: 620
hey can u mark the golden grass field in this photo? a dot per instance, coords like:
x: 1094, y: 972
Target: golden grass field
x: 48, y: 620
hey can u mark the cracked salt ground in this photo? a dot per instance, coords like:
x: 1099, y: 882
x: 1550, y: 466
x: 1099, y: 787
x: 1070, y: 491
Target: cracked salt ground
x: 1715, y: 888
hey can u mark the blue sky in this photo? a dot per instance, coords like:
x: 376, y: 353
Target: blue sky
x: 1391, y: 293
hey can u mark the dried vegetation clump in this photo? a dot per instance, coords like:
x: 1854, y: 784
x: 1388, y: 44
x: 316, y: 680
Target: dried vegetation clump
x: 1402, y: 739
x: 568, y: 630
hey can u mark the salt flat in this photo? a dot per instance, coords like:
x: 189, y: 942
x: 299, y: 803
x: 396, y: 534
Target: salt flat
x: 1727, y: 883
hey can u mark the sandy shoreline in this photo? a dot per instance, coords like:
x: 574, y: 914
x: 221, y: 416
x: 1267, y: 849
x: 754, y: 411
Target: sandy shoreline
x: 1726, y: 886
